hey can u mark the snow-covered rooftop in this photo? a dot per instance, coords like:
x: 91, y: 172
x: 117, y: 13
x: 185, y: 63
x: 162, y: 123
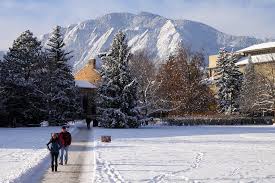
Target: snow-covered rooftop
x: 257, y: 59
x: 84, y: 84
x: 258, y: 47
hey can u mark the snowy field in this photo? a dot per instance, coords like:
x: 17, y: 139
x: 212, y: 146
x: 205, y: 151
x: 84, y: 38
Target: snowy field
x: 186, y: 154
x: 22, y: 151
x: 152, y: 154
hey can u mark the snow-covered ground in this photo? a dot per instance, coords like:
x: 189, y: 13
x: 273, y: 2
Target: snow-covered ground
x: 152, y: 154
x: 186, y: 154
x: 22, y: 151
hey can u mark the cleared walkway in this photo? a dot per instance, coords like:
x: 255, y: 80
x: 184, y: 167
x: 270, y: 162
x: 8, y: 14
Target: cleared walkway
x: 80, y: 167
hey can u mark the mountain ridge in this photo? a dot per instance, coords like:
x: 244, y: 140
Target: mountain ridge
x: 158, y: 35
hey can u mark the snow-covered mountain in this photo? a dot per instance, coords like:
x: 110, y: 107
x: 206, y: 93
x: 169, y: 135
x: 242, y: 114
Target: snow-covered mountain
x: 158, y: 35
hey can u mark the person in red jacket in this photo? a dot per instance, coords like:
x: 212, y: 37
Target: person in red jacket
x: 65, y: 139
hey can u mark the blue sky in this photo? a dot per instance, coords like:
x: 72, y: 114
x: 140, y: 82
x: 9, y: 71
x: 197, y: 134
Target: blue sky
x: 238, y: 17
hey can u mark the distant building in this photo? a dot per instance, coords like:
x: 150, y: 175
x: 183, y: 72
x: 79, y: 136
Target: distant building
x: 88, y: 73
x: 86, y: 79
x: 87, y: 92
x: 262, y: 55
x: 212, y: 65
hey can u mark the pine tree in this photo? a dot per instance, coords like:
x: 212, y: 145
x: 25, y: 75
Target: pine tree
x: 228, y: 82
x: 3, y: 115
x: 118, y: 90
x: 248, y: 89
x: 18, y: 76
x: 62, y: 96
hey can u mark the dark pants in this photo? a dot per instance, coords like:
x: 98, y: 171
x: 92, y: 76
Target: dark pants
x: 54, y: 159
x: 88, y: 125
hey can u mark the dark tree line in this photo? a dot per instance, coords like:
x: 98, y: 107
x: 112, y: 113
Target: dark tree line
x: 36, y: 83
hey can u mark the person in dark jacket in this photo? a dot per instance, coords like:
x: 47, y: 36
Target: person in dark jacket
x: 54, y: 149
x: 88, y: 122
x: 65, y: 139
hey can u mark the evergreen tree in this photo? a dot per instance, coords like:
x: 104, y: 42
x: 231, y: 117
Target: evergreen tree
x: 3, y: 115
x: 228, y: 82
x: 118, y: 90
x: 248, y: 90
x: 18, y: 76
x: 61, y: 93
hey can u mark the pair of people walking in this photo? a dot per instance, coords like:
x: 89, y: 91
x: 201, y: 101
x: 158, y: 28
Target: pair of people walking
x: 59, y: 142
